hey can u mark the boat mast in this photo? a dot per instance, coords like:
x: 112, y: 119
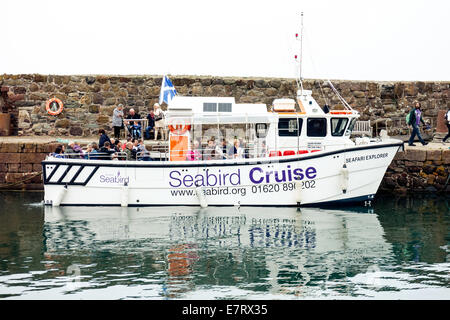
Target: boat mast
x: 301, y: 54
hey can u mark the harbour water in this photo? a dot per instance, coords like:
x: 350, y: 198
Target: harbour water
x: 396, y: 249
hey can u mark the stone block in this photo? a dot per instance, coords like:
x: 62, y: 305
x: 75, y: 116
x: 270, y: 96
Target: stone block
x: 26, y: 167
x: 400, y: 155
x: 97, y: 98
x: 446, y: 156
x: 103, y: 119
x: 434, y: 155
x: 9, y: 157
x: 62, y: 123
x: 29, y: 147
x: 32, y: 157
x: 359, y: 94
x: 416, y: 155
x: 13, y: 167
x: 411, y: 89
x: 76, y: 131
x: 94, y: 108
x: 13, y: 177
x: 10, y: 147
x: 40, y: 78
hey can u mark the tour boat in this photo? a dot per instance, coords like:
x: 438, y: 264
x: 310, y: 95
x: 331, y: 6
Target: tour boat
x: 277, y: 156
x: 288, y: 157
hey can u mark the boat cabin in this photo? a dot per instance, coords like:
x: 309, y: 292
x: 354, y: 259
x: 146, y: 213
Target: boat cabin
x: 253, y: 131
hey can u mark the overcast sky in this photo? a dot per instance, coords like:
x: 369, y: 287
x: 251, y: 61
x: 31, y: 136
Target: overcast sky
x: 343, y: 39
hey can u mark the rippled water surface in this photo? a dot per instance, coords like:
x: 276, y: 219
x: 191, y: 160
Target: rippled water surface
x: 397, y: 249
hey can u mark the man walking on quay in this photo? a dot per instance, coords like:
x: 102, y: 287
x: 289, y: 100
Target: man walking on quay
x: 447, y: 118
x: 415, y: 118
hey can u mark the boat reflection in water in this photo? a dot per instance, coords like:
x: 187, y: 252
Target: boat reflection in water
x: 276, y: 250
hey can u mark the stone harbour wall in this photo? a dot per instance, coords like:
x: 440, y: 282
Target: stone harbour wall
x: 417, y: 170
x: 20, y: 164
x: 89, y: 100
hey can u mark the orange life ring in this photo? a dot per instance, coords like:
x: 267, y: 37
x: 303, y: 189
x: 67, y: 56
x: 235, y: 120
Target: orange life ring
x: 51, y: 104
x: 179, y: 128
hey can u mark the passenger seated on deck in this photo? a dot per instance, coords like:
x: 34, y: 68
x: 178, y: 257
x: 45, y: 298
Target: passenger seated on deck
x: 73, y: 151
x: 77, y: 148
x: 59, y: 152
x: 131, y: 155
x: 134, y: 127
x: 124, y: 146
x: 194, y: 154
x: 115, y: 145
x: 210, y: 150
x: 222, y: 150
x: 238, y: 151
x: 141, y: 151
x: 263, y: 150
x: 151, y: 124
x: 105, y: 152
x: 91, y: 151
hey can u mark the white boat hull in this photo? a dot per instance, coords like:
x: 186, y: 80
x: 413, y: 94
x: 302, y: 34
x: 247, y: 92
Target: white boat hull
x: 318, y: 178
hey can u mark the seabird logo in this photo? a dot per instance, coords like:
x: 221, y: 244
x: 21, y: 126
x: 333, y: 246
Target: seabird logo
x: 114, y: 179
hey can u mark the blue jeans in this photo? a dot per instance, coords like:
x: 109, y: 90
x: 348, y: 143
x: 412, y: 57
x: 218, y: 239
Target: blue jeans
x: 147, y: 132
x: 135, y: 131
x: 415, y: 131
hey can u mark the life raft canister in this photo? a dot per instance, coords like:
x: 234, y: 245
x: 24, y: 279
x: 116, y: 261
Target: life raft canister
x: 179, y: 129
x: 54, y: 106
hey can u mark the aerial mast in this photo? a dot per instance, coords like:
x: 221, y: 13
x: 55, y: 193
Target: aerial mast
x: 300, y: 80
x: 301, y: 52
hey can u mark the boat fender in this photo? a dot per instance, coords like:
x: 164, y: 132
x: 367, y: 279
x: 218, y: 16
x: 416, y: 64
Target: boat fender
x: 60, y: 196
x: 344, y: 178
x: 124, y: 199
x: 201, y: 197
x: 298, y: 192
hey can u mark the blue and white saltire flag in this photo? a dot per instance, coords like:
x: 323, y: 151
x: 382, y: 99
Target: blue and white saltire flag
x: 167, y: 91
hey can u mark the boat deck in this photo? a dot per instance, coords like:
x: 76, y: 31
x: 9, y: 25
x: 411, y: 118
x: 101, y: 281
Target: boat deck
x: 159, y: 143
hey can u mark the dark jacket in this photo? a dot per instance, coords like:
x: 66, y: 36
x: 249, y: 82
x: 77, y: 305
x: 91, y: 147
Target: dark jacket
x: 103, y: 139
x: 412, y: 117
x: 104, y: 153
x: 151, y: 120
x: 135, y: 116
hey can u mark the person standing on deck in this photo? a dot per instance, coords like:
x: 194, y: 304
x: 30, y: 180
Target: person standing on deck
x: 415, y: 118
x: 103, y: 138
x: 117, y: 120
x: 159, y: 121
x: 447, y: 117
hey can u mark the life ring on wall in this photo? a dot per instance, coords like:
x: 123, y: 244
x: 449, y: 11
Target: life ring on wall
x: 54, y: 106
x: 179, y: 129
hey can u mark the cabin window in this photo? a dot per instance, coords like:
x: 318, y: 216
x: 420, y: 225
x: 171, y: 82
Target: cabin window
x: 209, y: 107
x: 350, y: 127
x: 338, y: 126
x: 316, y: 127
x: 261, y: 130
x: 289, y: 127
x: 224, y: 107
